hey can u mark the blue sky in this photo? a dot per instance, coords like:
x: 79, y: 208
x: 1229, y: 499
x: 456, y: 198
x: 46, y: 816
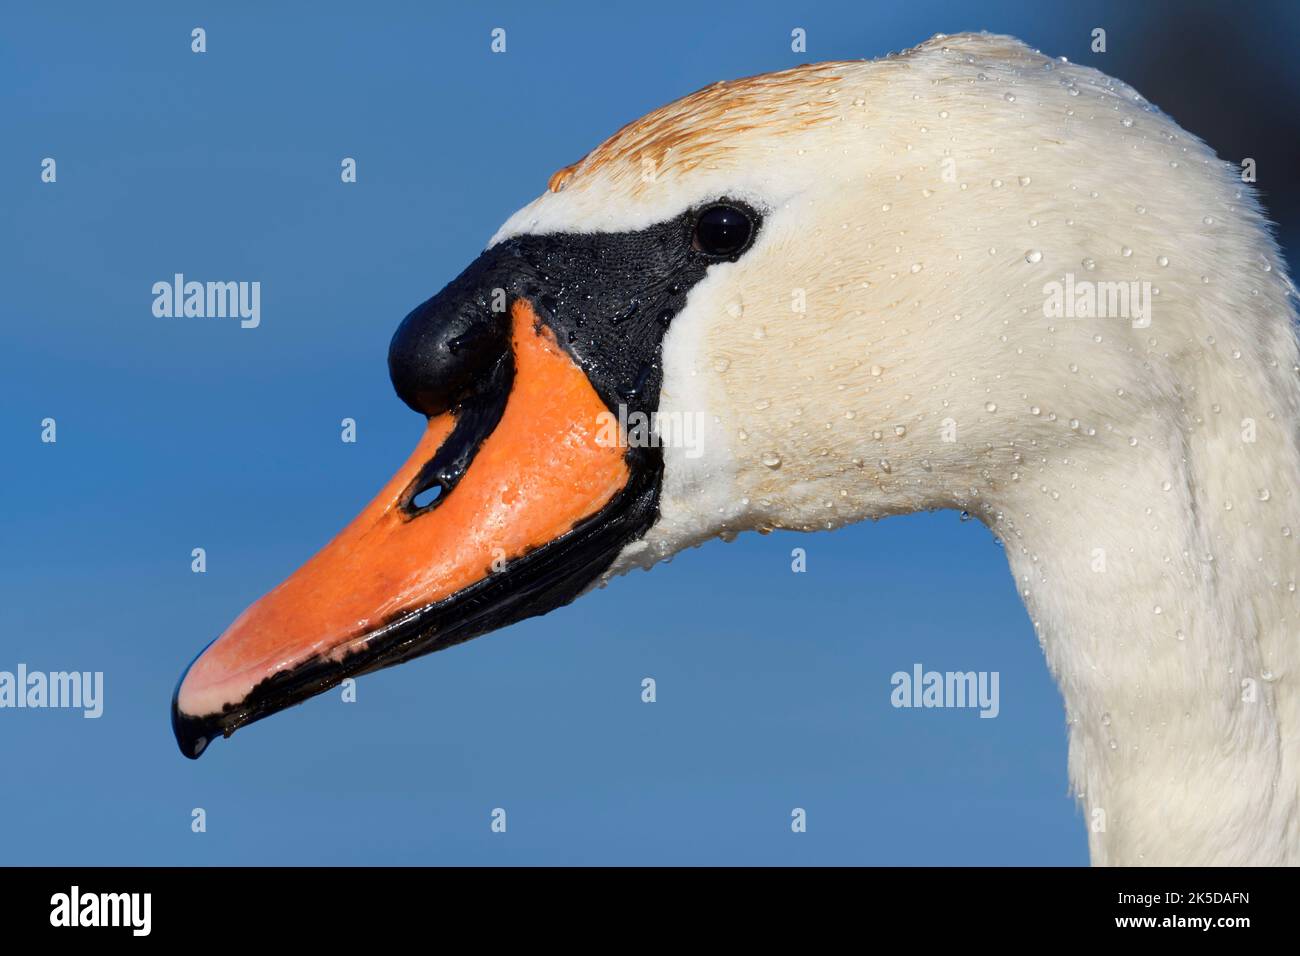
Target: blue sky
x: 773, y: 687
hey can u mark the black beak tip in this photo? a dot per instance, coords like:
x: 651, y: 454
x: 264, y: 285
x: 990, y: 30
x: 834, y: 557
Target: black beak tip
x: 193, y: 734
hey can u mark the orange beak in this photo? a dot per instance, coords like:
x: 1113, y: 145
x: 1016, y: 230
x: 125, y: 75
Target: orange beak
x: 524, y: 366
x: 402, y: 580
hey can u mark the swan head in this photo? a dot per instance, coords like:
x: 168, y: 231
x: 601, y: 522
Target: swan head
x: 797, y: 300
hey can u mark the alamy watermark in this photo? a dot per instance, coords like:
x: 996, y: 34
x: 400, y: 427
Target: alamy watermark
x: 74, y: 690
x: 209, y: 300
x: 129, y: 910
x: 653, y: 430
x: 922, y: 688
x: 1086, y: 299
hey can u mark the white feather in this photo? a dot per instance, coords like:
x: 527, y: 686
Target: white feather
x: 922, y: 214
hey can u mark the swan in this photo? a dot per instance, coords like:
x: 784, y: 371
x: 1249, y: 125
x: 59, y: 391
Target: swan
x: 967, y: 276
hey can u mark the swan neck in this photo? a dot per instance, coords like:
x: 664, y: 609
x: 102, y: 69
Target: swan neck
x: 1159, y: 567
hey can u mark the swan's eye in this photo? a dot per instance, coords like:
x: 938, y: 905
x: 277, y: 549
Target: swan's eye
x: 722, y: 230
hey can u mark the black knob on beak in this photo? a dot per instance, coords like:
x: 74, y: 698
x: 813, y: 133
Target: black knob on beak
x: 447, y: 346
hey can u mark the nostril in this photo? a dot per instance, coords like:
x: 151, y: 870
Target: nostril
x: 427, y: 497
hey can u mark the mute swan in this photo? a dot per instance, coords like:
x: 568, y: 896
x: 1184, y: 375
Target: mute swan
x: 872, y: 279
